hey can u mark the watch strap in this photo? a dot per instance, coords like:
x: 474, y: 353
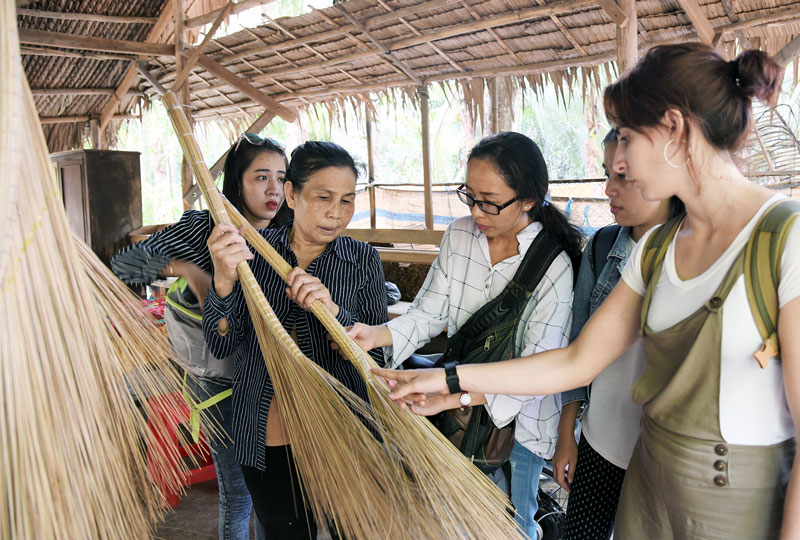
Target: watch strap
x: 451, y: 377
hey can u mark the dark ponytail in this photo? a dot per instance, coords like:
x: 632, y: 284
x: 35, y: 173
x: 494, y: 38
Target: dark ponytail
x: 523, y: 168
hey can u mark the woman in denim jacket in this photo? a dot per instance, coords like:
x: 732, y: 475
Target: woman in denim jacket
x: 610, y: 426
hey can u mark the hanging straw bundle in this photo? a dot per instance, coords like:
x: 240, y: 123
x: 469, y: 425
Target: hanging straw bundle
x: 437, y: 492
x: 73, y: 441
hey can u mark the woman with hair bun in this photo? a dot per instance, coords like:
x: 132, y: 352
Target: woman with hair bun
x: 716, y: 457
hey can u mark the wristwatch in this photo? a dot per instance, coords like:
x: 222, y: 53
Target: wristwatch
x: 451, y: 377
x: 465, y: 400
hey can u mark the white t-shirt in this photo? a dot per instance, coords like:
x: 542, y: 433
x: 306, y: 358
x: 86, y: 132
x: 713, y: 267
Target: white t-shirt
x: 752, y: 401
x: 612, y: 421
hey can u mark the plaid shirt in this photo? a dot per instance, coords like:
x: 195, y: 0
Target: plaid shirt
x: 460, y: 282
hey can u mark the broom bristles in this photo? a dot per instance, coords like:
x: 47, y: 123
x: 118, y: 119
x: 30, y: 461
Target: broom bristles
x: 73, y: 463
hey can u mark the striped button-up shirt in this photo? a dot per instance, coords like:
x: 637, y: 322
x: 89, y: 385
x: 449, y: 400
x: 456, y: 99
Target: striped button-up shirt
x: 353, y: 274
x: 460, y: 282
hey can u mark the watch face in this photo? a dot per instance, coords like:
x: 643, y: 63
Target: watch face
x: 465, y: 399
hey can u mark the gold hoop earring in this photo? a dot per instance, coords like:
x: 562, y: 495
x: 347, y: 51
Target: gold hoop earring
x: 666, y: 159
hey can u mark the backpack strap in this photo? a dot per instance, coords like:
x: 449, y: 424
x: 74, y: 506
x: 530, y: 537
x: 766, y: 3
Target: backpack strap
x: 511, y: 301
x: 762, y: 272
x: 653, y: 255
x: 602, y: 242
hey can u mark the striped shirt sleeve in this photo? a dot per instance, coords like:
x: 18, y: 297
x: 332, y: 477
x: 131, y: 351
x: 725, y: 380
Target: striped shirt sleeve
x: 141, y: 263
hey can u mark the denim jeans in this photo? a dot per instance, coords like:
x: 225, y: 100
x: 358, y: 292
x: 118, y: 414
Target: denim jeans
x: 525, y: 470
x: 234, y: 499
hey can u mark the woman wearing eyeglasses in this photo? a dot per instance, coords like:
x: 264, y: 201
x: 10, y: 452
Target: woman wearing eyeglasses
x: 254, y: 170
x: 342, y: 273
x: 505, y: 188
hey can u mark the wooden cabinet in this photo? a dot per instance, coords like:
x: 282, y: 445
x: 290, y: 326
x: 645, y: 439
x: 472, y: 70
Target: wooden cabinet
x: 102, y: 194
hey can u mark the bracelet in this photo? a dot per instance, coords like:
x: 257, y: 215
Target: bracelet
x: 451, y: 376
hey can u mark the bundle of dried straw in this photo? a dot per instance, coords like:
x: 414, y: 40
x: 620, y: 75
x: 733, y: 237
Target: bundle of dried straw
x: 412, y: 484
x: 73, y: 462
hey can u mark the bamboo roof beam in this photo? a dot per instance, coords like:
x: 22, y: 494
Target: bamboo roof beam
x: 80, y: 119
x: 261, y: 71
x: 402, y: 66
x: 483, y: 24
x: 789, y: 52
x: 91, y: 17
x: 71, y: 41
x: 224, y: 74
x: 313, y: 51
x: 46, y: 51
x: 784, y: 14
x: 81, y: 92
x: 613, y: 11
x: 699, y: 20
x: 565, y: 32
x: 475, y: 15
x: 191, y: 58
x: 131, y: 75
x: 238, y: 7
x: 416, y: 32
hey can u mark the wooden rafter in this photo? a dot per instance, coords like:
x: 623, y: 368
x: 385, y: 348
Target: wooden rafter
x: 613, y: 11
x: 191, y: 58
x: 565, y: 32
x: 402, y: 66
x: 475, y: 15
x: 206, y: 18
x: 773, y: 16
x: 789, y: 52
x: 70, y: 41
x: 80, y: 119
x: 85, y: 17
x: 699, y: 20
x: 224, y: 74
x: 131, y: 75
x: 416, y: 32
x: 80, y: 92
x: 46, y: 51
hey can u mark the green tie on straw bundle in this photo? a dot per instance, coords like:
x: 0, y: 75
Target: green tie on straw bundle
x: 75, y: 446
x: 414, y: 484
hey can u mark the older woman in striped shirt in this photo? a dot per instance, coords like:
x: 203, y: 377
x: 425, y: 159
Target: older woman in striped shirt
x: 344, y: 274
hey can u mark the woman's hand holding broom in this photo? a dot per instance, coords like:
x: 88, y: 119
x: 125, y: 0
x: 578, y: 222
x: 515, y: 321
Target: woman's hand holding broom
x: 414, y: 385
x: 228, y: 248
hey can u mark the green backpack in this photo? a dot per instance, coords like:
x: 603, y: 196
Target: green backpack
x: 762, y: 268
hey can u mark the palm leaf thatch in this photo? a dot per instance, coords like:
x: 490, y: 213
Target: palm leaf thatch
x: 403, y: 484
x: 73, y: 439
x: 773, y: 148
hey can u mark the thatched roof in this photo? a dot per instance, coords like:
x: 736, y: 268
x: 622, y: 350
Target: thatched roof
x: 348, y: 52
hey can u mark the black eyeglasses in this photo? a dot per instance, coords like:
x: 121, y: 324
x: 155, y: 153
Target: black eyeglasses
x: 485, y: 206
x: 257, y: 140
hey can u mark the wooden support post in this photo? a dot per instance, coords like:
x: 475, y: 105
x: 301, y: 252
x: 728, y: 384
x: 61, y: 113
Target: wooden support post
x: 627, y: 45
x: 426, y: 156
x: 184, y: 96
x: 494, y: 91
x: 373, y: 216
x: 94, y: 133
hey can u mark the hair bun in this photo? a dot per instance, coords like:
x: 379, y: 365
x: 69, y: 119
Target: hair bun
x: 757, y: 75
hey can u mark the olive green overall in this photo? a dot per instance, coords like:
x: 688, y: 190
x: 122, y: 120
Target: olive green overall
x: 684, y: 481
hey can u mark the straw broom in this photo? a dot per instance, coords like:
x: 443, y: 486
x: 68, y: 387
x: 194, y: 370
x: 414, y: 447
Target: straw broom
x: 72, y: 463
x: 446, y: 488
x: 333, y: 450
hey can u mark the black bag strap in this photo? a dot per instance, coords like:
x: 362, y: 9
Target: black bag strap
x: 511, y: 301
x: 602, y: 242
